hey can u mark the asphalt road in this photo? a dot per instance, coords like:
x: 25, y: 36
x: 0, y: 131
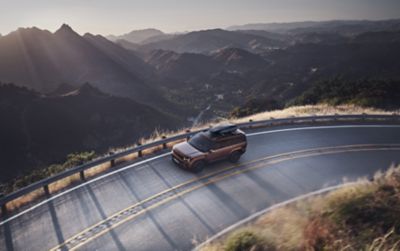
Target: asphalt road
x: 156, y: 206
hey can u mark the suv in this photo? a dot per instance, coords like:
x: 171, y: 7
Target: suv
x: 220, y: 142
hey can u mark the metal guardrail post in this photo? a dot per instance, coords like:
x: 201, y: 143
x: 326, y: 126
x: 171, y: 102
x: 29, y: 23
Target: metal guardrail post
x: 164, y: 145
x: 46, y: 190
x: 140, y: 154
x: 363, y: 116
x: 4, y: 210
x: 271, y: 119
x: 112, y: 161
x: 188, y: 137
x: 82, y: 175
x: 250, y: 121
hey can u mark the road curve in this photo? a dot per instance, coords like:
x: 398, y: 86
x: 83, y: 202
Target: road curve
x: 153, y: 205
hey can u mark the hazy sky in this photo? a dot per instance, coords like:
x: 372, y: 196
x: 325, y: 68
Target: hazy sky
x: 120, y: 16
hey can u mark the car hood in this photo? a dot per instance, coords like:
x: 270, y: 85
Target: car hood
x: 186, y: 149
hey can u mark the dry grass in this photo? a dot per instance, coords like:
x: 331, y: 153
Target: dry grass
x: 322, y: 109
x: 26, y: 199
x: 295, y: 111
x: 363, y: 216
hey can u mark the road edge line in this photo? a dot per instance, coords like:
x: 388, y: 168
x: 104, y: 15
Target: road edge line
x: 268, y: 209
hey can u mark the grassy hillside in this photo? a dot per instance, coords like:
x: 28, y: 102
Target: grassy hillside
x: 367, y: 93
x: 363, y: 216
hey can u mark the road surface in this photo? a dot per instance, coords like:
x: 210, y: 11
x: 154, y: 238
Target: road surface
x: 153, y: 205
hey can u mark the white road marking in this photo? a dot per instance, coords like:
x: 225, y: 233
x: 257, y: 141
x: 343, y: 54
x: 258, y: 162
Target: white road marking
x: 166, y: 154
x: 321, y: 127
x: 82, y: 185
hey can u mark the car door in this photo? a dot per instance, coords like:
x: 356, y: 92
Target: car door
x: 220, y: 150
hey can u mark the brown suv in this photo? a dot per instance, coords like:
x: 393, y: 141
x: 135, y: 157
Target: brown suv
x: 220, y: 142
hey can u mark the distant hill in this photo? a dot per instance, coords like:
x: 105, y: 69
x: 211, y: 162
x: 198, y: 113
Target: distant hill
x: 137, y: 36
x: 378, y: 37
x: 207, y: 41
x: 38, y: 130
x: 181, y: 65
x: 235, y: 59
x: 193, y: 66
x: 127, y: 45
x: 336, y: 26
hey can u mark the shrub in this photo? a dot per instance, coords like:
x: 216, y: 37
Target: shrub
x: 245, y: 240
x: 366, y: 93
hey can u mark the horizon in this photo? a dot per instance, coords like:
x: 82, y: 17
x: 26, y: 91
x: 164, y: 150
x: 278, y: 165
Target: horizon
x: 187, y: 31
x: 175, y: 16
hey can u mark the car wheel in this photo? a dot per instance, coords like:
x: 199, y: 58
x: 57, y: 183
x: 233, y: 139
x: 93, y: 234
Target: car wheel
x: 235, y: 156
x: 198, y: 166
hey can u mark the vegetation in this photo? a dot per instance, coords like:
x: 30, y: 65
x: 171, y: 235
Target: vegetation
x: 253, y: 106
x: 363, y: 216
x: 366, y: 93
x: 72, y: 160
x: 245, y: 240
x: 38, y: 130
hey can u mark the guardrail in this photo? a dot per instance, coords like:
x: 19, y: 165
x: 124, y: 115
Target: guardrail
x: 44, y: 184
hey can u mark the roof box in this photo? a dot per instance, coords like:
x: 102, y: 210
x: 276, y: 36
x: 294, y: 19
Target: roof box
x: 223, y: 129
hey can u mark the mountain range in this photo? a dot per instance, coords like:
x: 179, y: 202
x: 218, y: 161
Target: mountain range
x: 93, y: 92
x: 349, y: 27
x: 137, y: 36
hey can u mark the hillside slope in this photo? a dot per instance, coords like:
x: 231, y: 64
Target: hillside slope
x: 37, y: 130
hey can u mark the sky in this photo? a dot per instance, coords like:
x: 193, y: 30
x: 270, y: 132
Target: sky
x: 121, y: 16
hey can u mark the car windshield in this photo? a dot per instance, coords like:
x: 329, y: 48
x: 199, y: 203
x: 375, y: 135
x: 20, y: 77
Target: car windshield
x: 201, y: 142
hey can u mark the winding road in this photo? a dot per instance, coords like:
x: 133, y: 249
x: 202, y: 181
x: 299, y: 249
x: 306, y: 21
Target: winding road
x: 153, y: 205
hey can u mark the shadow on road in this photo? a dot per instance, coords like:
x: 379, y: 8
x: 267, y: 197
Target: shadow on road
x: 150, y: 214
x: 209, y: 228
x: 103, y: 215
x: 56, y: 223
x: 228, y: 201
x: 276, y: 194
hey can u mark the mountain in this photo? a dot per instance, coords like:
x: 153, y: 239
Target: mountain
x: 126, y: 44
x: 207, y: 41
x: 181, y: 65
x: 42, y: 61
x: 235, y: 59
x: 62, y: 89
x: 200, y: 67
x: 274, y: 26
x: 344, y: 27
x: 137, y: 36
x: 118, y: 54
x: 38, y: 130
x: 378, y: 37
